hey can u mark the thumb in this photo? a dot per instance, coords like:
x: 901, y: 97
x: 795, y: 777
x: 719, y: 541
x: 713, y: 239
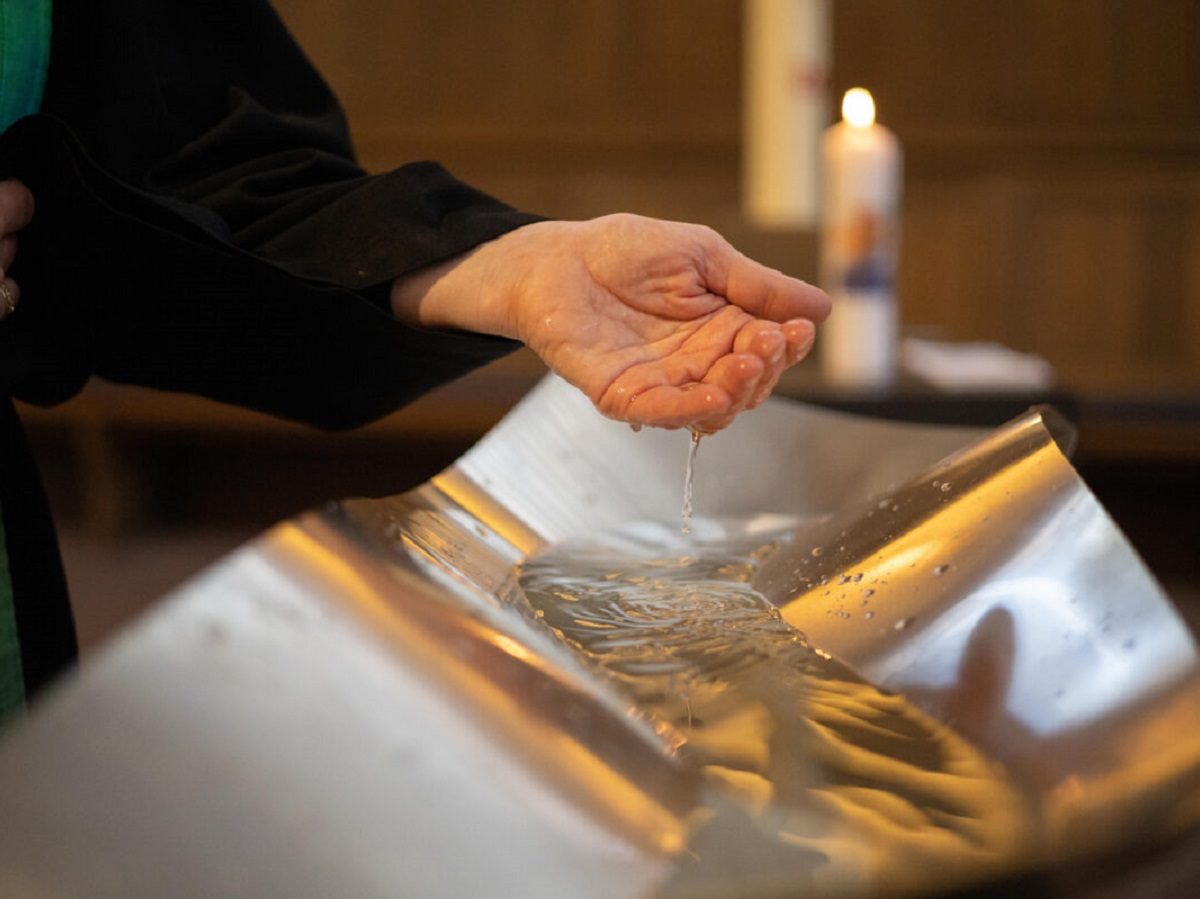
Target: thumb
x: 762, y: 291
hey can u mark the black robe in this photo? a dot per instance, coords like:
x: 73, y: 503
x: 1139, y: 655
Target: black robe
x: 202, y: 226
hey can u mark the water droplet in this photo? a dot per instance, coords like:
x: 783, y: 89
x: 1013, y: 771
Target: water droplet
x: 883, y: 503
x: 895, y: 508
x: 868, y: 592
x: 903, y: 623
x: 842, y: 614
x: 940, y: 570
x: 633, y: 426
x: 817, y: 551
x: 844, y: 579
x: 868, y: 615
x: 945, y: 488
x: 858, y: 577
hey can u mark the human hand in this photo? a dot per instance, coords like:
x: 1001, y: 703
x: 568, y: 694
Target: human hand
x: 659, y: 323
x: 16, y: 211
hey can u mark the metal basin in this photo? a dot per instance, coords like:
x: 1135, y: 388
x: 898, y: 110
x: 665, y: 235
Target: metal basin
x: 889, y: 660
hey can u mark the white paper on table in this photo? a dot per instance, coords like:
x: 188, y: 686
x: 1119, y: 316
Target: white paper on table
x: 974, y: 366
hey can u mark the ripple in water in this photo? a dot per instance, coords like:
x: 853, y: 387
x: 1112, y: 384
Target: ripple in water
x: 773, y: 722
x: 664, y: 626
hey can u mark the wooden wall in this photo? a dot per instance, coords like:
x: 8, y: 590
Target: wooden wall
x: 1053, y: 146
x: 572, y: 107
x: 1054, y: 173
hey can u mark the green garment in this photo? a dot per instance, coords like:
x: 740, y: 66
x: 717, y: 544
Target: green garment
x: 24, y: 57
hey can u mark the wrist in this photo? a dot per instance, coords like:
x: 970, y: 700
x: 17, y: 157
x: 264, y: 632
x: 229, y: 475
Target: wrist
x: 476, y: 291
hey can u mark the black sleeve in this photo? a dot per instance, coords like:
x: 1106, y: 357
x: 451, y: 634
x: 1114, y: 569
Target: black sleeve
x: 202, y: 225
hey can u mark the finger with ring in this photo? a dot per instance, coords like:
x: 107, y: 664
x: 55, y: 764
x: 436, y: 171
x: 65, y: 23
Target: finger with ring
x: 10, y: 295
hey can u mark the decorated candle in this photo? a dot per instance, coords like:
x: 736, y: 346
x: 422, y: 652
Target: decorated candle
x: 859, y: 245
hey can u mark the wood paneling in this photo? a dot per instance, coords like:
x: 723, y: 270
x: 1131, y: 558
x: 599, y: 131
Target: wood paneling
x: 1053, y: 184
x: 532, y: 82
x: 1053, y: 188
x: 1053, y: 146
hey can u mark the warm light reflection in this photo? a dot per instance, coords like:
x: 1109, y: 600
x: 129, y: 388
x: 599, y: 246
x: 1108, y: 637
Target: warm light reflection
x: 858, y: 107
x: 623, y: 780
x: 483, y: 507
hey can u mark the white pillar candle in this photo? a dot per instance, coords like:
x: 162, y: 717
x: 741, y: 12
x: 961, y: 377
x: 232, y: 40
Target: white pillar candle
x: 785, y: 83
x: 860, y: 237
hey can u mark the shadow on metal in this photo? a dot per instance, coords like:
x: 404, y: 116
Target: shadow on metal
x: 889, y: 660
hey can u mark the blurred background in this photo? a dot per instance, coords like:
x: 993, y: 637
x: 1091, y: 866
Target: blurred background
x: 1051, y: 203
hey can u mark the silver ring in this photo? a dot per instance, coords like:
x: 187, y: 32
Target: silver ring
x: 8, y: 300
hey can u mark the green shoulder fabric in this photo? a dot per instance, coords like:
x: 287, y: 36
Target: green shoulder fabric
x: 24, y: 57
x: 12, y: 680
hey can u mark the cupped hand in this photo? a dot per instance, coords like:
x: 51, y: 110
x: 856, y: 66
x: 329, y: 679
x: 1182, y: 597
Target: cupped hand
x: 16, y: 211
x: 659, y: 323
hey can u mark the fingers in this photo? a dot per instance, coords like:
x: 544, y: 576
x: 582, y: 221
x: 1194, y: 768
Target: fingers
x: 767, y: 341
x: 10, y: 296
x: 668, y: 406
x: 800, y: 334
x: 739, y: 376
x: 776, y: 348
x: 762, y: 291
x: 16, y: 211
x: 673, y: 393
x: 730, y: 386
x: 16, y: 207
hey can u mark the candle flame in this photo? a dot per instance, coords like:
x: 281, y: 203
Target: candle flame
x: 858, y: 107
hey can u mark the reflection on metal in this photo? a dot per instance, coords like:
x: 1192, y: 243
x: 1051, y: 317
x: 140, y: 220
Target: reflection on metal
x: 889, y: 660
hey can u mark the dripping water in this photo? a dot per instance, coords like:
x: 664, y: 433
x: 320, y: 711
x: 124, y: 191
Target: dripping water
x: 689, y: 477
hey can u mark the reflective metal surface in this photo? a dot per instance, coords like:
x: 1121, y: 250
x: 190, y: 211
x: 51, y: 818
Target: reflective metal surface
x: 873, y: 669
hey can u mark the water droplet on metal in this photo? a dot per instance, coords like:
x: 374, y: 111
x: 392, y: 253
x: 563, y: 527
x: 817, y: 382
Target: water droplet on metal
x: 903, y: 623
x: 940, y: 570
x: 817, y: 551
x: 868, y: 615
